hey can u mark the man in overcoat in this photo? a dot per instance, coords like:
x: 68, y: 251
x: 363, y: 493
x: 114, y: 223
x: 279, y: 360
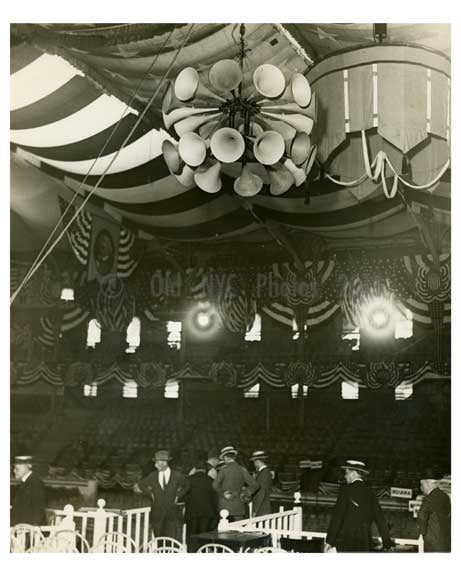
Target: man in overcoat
x: 356, y: 509
x: 201, y: 502
x: 230, y: 484
x: 166, y: 488
x: 261, y: 498
x: 29, y: 502
x: 434, y: 516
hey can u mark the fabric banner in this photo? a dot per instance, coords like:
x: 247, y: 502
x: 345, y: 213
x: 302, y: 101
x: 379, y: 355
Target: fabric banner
x: 373, y: 375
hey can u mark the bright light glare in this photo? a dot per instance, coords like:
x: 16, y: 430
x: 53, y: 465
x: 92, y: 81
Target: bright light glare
x: 203, y: 319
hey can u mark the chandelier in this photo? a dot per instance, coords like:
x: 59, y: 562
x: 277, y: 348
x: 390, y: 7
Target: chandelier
x: 255, y: 128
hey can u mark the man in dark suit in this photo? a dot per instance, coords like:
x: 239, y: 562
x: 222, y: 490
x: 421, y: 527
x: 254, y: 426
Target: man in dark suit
x: 201, y: 502
x: 29, y: 502
x: 356, y: 510
x: 261, y: 498
x: 230, y: 481
x: 434, y: 516
x: 166, y: 488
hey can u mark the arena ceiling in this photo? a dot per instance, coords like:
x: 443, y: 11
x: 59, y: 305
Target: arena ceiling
x: 62, y: 117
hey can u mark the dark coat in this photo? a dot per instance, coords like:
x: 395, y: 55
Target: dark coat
x: 163, y: 507
x: 201, y: 499
x: 350, y: 525
x: 29, y: 502
x: 231, y: 478
x: 434, y: 521
x: 261, y: 498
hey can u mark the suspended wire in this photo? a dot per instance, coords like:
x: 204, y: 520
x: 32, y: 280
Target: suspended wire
x: 85, y: 201
x: 68, y: 207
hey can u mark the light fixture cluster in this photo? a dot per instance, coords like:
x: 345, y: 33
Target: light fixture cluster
x: 258, y: 134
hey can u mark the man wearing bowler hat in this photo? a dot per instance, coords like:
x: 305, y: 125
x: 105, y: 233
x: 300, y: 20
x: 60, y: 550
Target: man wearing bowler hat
x: 29, y: 502
x: 434, y: 516
x: 356, y: 509
x: 261, y: 498
x: 233, y: 483
x: 166, y: 488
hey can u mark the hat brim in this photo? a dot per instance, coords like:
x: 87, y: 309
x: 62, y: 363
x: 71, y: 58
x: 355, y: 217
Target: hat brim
x: 264, y: 457
x: 228, y: 453
x: 362, y: 470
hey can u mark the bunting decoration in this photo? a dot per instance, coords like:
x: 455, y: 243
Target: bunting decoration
x: 113, y: 372
x: 50, y: 329
x: 224, y: 374
x: 40, y: 373
x: 373, y: 375
x: 85, y: 237
x: 382, y: 373
x: 79, y: 374
x: 302, y: 373
x: 261, y: 374
x: 325, y: 288
x: 151, y: 374
x: 339, y: 372
x: 236, y: 309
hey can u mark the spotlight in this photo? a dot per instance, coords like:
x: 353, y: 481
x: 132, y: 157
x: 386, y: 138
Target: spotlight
x: 379, y: 318
x: 203, y: 319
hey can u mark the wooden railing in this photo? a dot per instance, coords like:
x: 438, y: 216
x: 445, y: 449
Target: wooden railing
x: 288, y: 524
x: 92, y: 523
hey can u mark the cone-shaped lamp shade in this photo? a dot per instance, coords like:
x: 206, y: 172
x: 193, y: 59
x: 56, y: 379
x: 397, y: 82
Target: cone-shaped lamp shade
x: 192, y: 149
x: 298, y: 173
x: 207, y: 178
x: 186, y: 84
x: 269, y: 147
x: 227, y: 145
x: 248, y: 183
x: 299, y: 122
x: 301, y: 90
x: 269, y: 80
x: 225, y: 75
x: 300, y: 148
x: 281, y: 179
x: 193, y: 123
x: 183, y: 173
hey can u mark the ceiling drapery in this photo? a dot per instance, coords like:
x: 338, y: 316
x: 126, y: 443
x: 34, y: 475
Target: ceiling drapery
x: 60, y: 123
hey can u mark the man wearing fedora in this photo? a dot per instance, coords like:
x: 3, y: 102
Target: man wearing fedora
x: 166, y: 488
x: 29, y: 502
x: 434, y: 516
x: 355, y: 511
x: 233, y: 484
x: 261, y: 498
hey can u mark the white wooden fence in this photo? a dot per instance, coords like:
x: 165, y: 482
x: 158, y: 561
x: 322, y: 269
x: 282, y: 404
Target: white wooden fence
x: 92, y: 523
x: 288, y: 524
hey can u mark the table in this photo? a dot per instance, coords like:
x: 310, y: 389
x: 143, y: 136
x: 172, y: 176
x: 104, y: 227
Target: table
x: 237, y: 541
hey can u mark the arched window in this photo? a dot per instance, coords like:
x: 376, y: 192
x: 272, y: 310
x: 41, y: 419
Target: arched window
x: 295, y: 390
x: 404, y: 325
x: 403, y: 391
x: 352, y: 333
x: 254, y: 334
x: 350, y: 390
x: 171, y: 389
x: 296, y: 332
x: 174, y: 330
x: 130, y: 389
x: 133, y: 335
x: 93, y: 334
x: 67, y: 294
x: 252, y: 392
x: 90, y: 390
